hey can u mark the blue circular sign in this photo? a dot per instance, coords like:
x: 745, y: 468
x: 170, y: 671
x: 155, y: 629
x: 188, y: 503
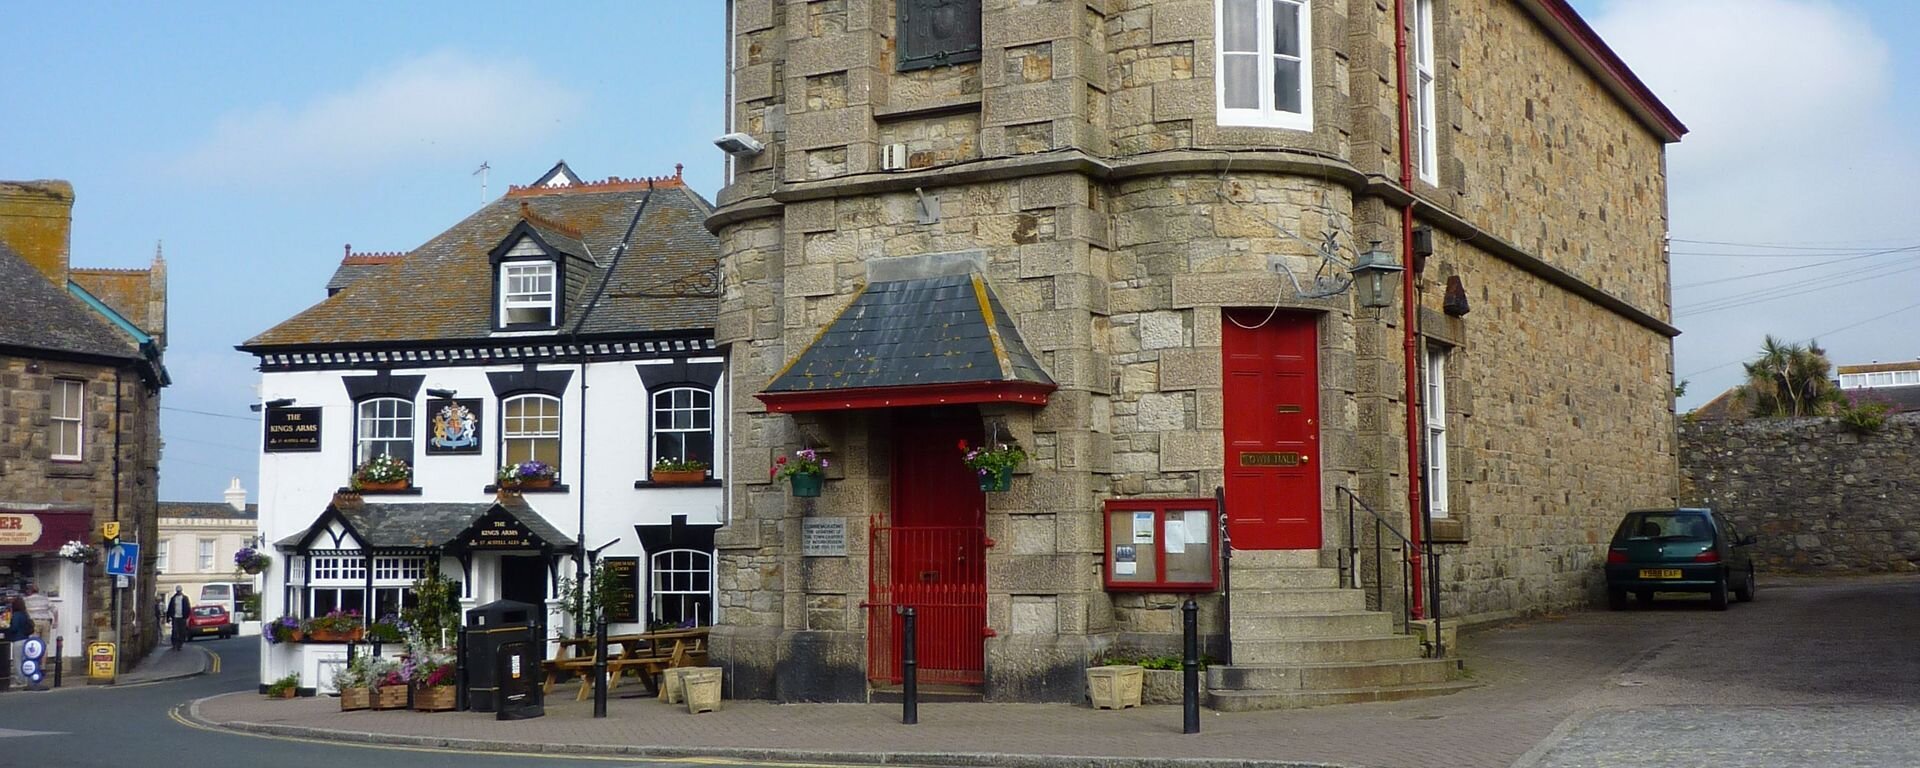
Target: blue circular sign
x: 30, y: 653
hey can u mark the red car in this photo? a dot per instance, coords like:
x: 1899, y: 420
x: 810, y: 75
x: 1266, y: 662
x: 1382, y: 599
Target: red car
x: 210, y: 620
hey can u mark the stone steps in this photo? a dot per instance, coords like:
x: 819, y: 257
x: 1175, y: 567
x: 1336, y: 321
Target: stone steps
x: 1335, y: 676
x: 1247, y: 701
x: 1279, y: 626
x: 1261, y: 602
x: 1323, y: 650
x: 1261, y: 579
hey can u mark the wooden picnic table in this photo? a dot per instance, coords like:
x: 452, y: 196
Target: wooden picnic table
x: 647, y: 655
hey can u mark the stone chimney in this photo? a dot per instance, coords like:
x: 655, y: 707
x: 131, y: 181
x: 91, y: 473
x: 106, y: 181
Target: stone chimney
x: 36, y: 221
x: 236, y: 495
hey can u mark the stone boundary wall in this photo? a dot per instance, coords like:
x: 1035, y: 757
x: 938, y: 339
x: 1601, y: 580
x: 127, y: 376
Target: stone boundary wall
x: 1821, y: 498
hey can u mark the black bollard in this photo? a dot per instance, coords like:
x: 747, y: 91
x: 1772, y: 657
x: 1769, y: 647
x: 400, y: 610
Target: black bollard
x: 1190, y: 665
x: 6, y: 667
x: 909, y: 670
x: 600, y: 667
x: 59, y: 659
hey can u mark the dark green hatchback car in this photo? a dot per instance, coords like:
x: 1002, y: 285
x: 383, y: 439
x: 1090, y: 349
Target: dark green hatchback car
x: 1678, y: 550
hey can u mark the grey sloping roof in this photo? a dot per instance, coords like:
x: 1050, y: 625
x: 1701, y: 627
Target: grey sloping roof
x: 1903, y: 399
x: 40, y: 315
x: 208, y: 510
x: 441, y: 290
x: 934, y: 330
x: 432, y: 524
x: 350, y: 272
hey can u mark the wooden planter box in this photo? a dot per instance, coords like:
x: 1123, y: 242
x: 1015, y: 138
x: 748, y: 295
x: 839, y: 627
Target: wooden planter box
x: 286, y: 694
x: 433, y: 698
x: 390, y: 697
x: 680, y: 477
x: 394, y: 485
x: 355, y: 698
x: 1114, y: 687
x: 701, y: 686
x: 325, y: 636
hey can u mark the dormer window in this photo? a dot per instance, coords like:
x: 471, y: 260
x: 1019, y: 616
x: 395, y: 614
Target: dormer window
x: 527, y: 293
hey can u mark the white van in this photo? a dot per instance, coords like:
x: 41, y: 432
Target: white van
x: 225, y: 594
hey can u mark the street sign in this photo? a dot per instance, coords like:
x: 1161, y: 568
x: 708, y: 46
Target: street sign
x: 110, y: 529
x: 122, y: 581
x: 100, y: 661
x: 123, y: 559
x: 32, y: 653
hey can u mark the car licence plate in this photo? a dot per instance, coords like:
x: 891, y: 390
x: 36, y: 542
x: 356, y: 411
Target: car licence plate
x: 1660, y: 573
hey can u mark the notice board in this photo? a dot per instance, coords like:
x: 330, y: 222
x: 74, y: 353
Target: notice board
x: 1162, y: 545
x: 624, y: 605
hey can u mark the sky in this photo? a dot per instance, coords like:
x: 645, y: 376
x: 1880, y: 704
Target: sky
x: 256, y: 140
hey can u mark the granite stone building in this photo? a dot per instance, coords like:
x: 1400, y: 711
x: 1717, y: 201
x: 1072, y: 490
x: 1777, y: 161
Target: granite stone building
x: 1142, y: 239
x: 80, y: 379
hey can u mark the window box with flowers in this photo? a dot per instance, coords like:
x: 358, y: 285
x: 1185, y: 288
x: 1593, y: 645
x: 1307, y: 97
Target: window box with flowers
x: 250, y: 560
x: 994, y: 465
x: 285, y: 629
x: 805, y: 470
x: 672, y: 471
x: 382, y: 473
x: 335, y: 627
x: 527, y: 474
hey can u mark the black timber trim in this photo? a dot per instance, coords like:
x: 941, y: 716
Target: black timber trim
x: 541, y: 349
x: 530, y: 380
x: 681, y: 371
x: 382, y: 384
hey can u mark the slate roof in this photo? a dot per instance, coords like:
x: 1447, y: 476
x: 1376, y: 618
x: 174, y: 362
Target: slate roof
x: 934, y: 330
x: 1730, y: 405
x: 429, y: 525
x: 208, y: 510
x: 442, y: 290
x: 358, y: 266
x: 1904, y: 399
x: 43, y: 316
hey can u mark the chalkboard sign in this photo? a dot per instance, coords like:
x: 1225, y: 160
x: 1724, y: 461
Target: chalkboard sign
x: 624, y: 607
x: 293, y: 430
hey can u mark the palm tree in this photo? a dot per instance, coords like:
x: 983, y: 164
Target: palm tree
x: 1790, y: 380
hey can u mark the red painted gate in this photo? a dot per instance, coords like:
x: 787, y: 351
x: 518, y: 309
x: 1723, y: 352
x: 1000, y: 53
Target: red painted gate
x: 931, y: 554
x: 1272, y: 393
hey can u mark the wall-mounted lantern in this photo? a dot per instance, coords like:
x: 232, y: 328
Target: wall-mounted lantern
x: 1375, y: 276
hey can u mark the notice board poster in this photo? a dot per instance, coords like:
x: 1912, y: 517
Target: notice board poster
x: 625, y: 605
x: 1161, y: 545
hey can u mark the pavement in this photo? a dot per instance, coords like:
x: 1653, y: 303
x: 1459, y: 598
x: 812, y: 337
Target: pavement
x: 160, y: 665
x: 1766, y: 683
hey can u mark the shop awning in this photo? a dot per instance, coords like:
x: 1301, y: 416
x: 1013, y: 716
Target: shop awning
x: 42, y: 528
x: 504, y: 523
x: 920, y: 341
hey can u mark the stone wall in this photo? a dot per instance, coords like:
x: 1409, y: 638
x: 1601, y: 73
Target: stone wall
x: 1820, y: 498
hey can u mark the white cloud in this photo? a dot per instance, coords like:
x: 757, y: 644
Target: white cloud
x: 1793, y: 140
x: 436, y: 107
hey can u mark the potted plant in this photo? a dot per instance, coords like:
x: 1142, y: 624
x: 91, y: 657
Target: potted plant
x: 527, y: 474
x: 285, y: 629
x: 805, y: 470
x: 389, y: 685
x: 672, y: 471
x: 388, y: 629
x: 994, y: 465
x: 382, y: 473
x: 251, y: 560
x: 354, y: 684
x: 79, y: 552
x: 335, y: 627
x: 284, y: 688
x: 432, y: 678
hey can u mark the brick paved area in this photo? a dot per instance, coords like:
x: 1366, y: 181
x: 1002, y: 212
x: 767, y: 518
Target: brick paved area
x: 1607, y: 674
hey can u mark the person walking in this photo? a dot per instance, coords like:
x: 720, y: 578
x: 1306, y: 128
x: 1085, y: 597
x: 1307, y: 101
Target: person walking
x: 41, y: 609
x: 19, y: 627
x: 178, y: 609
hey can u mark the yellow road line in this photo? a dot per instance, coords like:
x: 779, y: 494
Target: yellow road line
x: 175, y: 715
x: 216, y: 662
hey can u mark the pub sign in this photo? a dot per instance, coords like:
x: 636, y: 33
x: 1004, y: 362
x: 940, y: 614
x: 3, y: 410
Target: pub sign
x: 293, y: 430
x: 498, y: 529
x: 453, y: 426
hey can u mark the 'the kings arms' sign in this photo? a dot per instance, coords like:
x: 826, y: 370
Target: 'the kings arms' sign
x: 292, y: 430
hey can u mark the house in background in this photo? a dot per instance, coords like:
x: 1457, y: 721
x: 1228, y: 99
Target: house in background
x: 80, y: 377
x: 1896, y: 384
x: 567, y: 322
x: 1147, y: 241
x: 196, y: 544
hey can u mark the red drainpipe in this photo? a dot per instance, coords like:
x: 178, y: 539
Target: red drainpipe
x: 1407, y: 298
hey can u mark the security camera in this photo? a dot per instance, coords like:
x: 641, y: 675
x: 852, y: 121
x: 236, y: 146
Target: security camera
x: 739, y: 145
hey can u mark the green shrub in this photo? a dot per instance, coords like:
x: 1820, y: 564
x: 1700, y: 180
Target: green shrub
x: 1863, y: 418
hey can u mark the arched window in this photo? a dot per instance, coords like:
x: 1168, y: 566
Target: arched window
x: 383, y: 426
x: 530, y: 430
x: 683, y: 425
x: 682, y: 587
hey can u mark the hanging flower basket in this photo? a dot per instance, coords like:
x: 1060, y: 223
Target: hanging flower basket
x: 994, y: 465
x: 806, y: 469
x: 79, y: 552
x: 250, y: 560
x: 806, y: 485
x: 996, y: 481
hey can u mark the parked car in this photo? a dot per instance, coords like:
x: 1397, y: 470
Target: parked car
x: 1678, y: 550
x: 210, y: 620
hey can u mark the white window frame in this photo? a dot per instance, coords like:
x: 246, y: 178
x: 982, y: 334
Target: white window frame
x: 673, y: 412
x: 208, y: 550
x: 1426, y: 141
x: 336, y: 573
x: 68, y: 436
x: 162, y: 552
x: 370, y: 441
x: 514, y: 296
x: 1436, y: 418
x: 515, y: 427
x: 1266, y: 115
x: 661, y: 568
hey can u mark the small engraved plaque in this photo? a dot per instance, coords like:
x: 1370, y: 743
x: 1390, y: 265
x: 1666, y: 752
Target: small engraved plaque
x: 823, y: 537
x: 1286, y: 408
x: 1269, y: 459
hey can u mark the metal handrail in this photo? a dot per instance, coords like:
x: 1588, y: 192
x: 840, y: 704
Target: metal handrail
x: 1350, y: 565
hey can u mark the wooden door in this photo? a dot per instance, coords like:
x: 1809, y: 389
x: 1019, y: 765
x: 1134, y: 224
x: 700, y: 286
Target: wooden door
x: 1272, y: 392
x: 931, y: 555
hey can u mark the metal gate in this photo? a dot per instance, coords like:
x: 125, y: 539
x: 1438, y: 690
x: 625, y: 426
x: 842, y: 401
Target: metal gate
x: 941, y: 572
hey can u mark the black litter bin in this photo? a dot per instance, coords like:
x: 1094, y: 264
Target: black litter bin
x: 490, y: 629
x: 518, y: 670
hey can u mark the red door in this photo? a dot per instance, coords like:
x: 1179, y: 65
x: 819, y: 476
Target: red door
x: 931, y: 555
x: 1272, y: 391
